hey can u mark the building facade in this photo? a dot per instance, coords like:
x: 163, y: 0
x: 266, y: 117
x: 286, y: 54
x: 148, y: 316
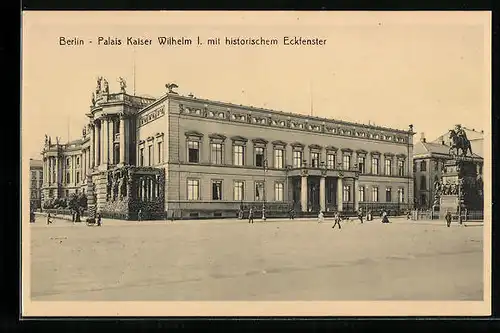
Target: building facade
x: 204, y: 158
x: 429, y: 159
x: 36, y: 183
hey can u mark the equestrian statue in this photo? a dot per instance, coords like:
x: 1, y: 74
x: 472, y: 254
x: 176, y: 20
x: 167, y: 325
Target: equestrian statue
x: 459, y: 141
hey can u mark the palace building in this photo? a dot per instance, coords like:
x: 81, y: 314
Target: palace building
x: 190, y: 157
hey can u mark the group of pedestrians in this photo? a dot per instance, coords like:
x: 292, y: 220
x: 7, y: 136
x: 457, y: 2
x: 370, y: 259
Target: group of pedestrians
x: 337, y: 218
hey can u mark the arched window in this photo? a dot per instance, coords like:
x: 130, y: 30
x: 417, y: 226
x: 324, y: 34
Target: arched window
x: 423, y: 183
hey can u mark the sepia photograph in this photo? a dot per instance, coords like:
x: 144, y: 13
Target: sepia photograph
x: 256, y: 163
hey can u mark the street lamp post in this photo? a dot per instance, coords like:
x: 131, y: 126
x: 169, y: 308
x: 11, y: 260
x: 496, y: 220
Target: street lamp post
x: 264, y: 201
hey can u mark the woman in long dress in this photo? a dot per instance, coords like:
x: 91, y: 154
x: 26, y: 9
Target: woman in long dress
x: 385, y: 219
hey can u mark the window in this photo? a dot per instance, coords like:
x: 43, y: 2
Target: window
x: 423, y: 166
x: 238, y: 190
x: 388, y: 195
x: 217, y: 190
x: 361, y: 164
x: 414, y: 166
x: 401, y: 195
x: 259, y: 156
x: 150, y: 155
x: 193, y: 187
x: 66, y: 192
x: 160, y: 149
x: 388, y: 167
x: 68, y: 162
x: 330, y: 161
x: 77, y: 177
x: 375, y: 194
x: 347, y: 193
x: 141, y: 157
x: 67, y: 177
x: 216, y: 153
x: 278, y: 158
x: 297, y: 159
x: 278, y: 191
x: 375, y: 165
x: 436, y: 166
x: 423, y: 183
x: 346, y: 162
x: 361, y: 193
x: 193, y: 151
x: 238, y: 155
x: 401, y: 168
x: 315, y: 159
x: 259, y: 191
x: 78, y: 161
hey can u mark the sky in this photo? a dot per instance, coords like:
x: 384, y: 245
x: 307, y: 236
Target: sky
x: 390, y: 69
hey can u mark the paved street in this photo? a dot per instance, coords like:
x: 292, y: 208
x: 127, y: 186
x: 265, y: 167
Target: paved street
x: 267, y: 261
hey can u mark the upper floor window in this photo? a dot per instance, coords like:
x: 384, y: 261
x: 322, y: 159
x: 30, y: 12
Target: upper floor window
x: 77, y: 160
x: 238, y: 155
x: 436, y: 166
x: 361, y: 164
x: 193, y: 151
x: 259, y: 156
x: 150, y: 155
x: 401, y: 168
x: 297, y: 158
x: 375, y: 164
x: 414, y: 166
x: 423, y: 166
x: 216, y: 153
x: 279, y: 158
x: 315, y: 159
x: 141, y: 156
x: 330, y: 161
x: 388, y: 167
x: 346, y: 162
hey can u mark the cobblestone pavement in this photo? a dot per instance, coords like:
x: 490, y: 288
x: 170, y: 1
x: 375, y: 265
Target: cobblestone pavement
x: 268, y: 261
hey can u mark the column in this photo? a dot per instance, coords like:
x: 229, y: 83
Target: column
x: 45, y: 171
x: 303, y: 193
x: 111, y: 142
x: 356, y: 194
x: 97, y: 144
x: 105, y: 141
x: 57, y: 169
x: 92, y: 147
x: 340, y: 190
x: 49, y: 177
x: 322, y: 194
x: 122, y: 139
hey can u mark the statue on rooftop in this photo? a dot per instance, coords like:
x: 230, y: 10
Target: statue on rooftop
x: 105, y: 87
x: 170, y: 87
x: 93, y: 99
x: 123, y: 84
x: 99, y: 85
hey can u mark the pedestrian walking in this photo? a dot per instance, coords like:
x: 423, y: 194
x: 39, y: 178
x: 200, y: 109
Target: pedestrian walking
x: 98, y: 219
x: 49, y: 221
x: 250, y: 215
x: 321, y: 217
x: 139, y: 215
x: 337, y: 219
x: 447, y: 217
x: 385, y: 219
x: 369, y: 216
x: 360, y: 214
x: 292, y: 213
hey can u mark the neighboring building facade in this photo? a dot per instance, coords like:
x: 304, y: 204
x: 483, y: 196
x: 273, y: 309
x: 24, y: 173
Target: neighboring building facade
x: 36, y: 183
x: 428, y: 166
x: 210, y: 158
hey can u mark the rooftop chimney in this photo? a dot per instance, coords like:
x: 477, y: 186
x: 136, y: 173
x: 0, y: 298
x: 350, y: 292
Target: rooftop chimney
x: 422, y: 137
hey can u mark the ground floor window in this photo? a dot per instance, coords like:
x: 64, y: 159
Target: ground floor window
x: 238, y: 190
x: 375, y: 194
x: 347, y: 193
x: 362, y: 194
x: 278, y: 191
x: 388, y: 194
x: 217, y: 190
x: 193, y: 188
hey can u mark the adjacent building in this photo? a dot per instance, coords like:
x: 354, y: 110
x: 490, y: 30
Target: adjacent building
x: 194, y: 157
x: 36, y: 183
x: 429, y: 159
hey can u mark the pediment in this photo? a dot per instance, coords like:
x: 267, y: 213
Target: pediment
x: 217, y: 136
x: 259, y: 140
x: 239, y: 138
x: 279, y: 143
x: 194, y: 133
